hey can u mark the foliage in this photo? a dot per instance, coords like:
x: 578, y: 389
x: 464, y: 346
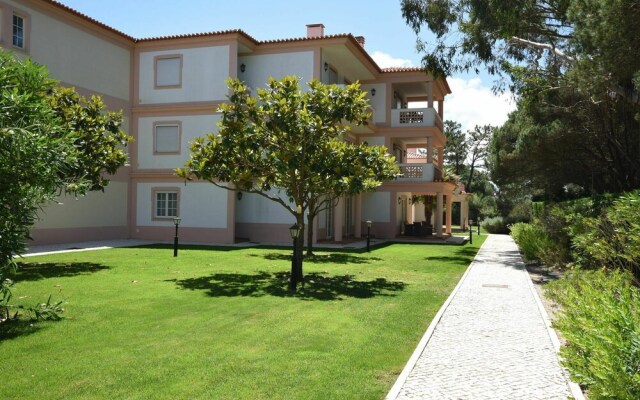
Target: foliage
x: 478, y: 142
x: 457, y: 147
x: 536, y: 245
x: 613, y: 239
x: 577, y: 83
x: 495, y: 225
x: 51, y: 140
x: 600, y: 319
x: 287, y: 146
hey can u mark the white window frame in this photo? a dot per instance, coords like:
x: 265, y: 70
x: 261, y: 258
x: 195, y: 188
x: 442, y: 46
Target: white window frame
x: 23, y: 30
x: 178, y: 125
x: 163, y: 212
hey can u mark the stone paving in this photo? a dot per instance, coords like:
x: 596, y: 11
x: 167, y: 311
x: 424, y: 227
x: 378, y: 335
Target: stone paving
x: 492, y: 340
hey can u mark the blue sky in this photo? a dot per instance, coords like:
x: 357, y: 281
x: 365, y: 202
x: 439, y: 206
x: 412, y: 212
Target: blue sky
x: 388, y: 39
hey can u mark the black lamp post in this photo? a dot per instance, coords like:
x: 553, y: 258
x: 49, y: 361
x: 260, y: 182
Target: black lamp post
x: 368, y: 236
x: 294, y: 231
x: 470, y: 231
x: 478, y: 226
x: 176, y: 222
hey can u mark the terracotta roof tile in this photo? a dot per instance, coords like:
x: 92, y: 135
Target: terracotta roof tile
x: 88, y: 18
x: 403, y: 69
x: 195, y: 35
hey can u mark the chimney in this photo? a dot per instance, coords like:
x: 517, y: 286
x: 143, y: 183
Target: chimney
x: 360, y: 39
x: 315, y: 30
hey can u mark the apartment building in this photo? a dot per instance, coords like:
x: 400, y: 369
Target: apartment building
x: 169, y: 89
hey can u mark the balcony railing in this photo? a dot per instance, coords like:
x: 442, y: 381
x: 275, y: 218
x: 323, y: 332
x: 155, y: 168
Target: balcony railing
x: 415, y: 117
x: 416, y: 172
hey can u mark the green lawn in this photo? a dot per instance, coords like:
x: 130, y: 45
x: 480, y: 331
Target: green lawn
x: 218, y: 323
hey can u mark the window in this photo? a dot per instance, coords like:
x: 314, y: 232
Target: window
x: 166, y: 137
x: 165, y: 203
x: 18, y: 31
x: 168, y: 71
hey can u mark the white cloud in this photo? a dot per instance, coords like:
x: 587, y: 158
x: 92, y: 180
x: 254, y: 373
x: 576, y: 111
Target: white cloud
x: 471, y: 103
x: 385, y: 60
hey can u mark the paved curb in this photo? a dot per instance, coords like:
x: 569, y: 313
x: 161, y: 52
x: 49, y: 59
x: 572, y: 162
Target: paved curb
x: 397, y: 387
x: 576, y: 392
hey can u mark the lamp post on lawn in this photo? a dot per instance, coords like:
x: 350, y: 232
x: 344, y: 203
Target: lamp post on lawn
x: 470, y: 231
x: 176, y: 222
x: 368, y: 236
x: 294, y: 231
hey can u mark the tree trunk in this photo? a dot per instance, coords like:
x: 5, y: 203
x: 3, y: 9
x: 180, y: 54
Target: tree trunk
x: 296, y: 263
x: 310, y: 219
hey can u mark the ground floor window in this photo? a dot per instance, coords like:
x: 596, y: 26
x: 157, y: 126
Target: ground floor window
x: 165, y: 203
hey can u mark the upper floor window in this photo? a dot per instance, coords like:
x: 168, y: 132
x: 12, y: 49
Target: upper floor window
x: 18, y: 31
x: 168, y: 71
x: 166, y: 137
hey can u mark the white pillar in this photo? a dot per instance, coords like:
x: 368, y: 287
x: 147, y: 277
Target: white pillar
x: 439, y: 214
x: 449, y: 213
x: 430, y: 93
x: 338, y: 218
x: 430, y: 150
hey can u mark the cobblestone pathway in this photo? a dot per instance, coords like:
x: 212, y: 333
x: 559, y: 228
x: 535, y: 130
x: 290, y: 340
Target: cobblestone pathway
x: 492, y: 341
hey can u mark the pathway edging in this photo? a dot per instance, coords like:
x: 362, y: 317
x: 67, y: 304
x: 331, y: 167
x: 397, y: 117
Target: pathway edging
x: 397, y: 387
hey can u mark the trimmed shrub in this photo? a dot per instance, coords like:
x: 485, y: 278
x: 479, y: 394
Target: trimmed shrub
x: 536, y: 245
x: 495, y: 225
x: 600, y: 319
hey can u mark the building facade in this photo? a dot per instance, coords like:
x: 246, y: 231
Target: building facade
x: 169, y: 90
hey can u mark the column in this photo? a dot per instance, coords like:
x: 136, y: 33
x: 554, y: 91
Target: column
x: 429, y: 150
x: 338, y: 218
x: 449, y: 212
x: 463, y: 215
x: 409, y: 216
x: 441, y: 109
x: 440, y: 157
x: 430, y: 93
x: 439, y: 214
x: 357, y: 216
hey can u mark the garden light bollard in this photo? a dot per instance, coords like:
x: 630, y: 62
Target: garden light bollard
x: 294, y: 231
x: 478, y: 226
x: 470, y: 232
x: 368, y: 236
x: 176, y: 222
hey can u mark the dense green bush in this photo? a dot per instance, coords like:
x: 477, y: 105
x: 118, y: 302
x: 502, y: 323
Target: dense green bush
x: 495, y: 225
x: 600, y: 320
x: 613, y: 239
x: 536, y: 245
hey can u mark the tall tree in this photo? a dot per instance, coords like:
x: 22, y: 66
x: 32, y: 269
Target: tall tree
x: 287, y: 145
x: 571, y: 64
x: 51, y: 141
x: 478, y: 142
x: 457, y: 148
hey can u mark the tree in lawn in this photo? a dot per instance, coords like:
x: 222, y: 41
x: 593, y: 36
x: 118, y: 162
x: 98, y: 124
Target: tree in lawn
x: 287, y: 145
x: 52, y: 141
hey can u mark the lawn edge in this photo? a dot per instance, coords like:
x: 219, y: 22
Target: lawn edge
x: 397, y: 386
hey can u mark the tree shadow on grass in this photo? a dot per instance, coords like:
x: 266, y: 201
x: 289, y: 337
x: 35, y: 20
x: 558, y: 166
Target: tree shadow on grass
x: 461, y: 255
x: 333, y: 258
x: 317, y: 286
x: 17, y: 328
x: 38, y: 271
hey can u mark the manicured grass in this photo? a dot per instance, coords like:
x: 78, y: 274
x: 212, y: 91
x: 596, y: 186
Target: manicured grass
x: 218, y: 323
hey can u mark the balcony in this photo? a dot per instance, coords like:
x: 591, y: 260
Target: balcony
x: 418, y: 172
x: 415, y: 117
